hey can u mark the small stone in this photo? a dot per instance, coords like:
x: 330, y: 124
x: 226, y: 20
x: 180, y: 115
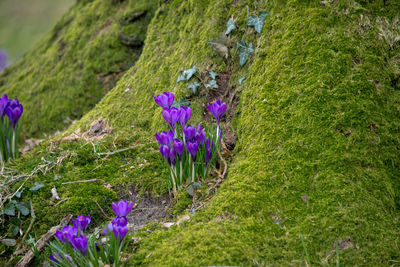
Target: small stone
x: 182, y: 219
x: 167, y: 224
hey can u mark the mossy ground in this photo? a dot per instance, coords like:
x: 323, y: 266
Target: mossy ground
x: 317, y: 129
x: 76, y: 64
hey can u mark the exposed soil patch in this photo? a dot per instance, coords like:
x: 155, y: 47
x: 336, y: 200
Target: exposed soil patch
x: 228, y: 95
x: 147, y: 209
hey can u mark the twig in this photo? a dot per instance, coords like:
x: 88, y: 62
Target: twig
x: 41, y: 243
x: 116, y: 151
x: 102, y: 211
x: 85, y: 181
x: 61, y: 201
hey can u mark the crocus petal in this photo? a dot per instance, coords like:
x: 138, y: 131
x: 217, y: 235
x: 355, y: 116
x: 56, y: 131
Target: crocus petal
x: 122, y: 208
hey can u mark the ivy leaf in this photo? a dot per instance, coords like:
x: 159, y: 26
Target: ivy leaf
x: 37, y: 186
x: 10, y: 209
x: 241, y: 80
x: 245, y: 51
x: 212, y: 84
x: 192, y: 188
x: 18, y: 194
x: 230, y: 26
x: 221, y: 45
x: 181, y: 103
x: 14, y: 230
x: 194, y: 87
x: 181, y: 77
x: 257, y: 22
x: 22, y: 207
x: 9, y: 242
x: 213, y: 74
x: 186, y: 74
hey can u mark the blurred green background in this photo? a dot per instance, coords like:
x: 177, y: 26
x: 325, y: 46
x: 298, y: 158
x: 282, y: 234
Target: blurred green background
x: 23, y: 22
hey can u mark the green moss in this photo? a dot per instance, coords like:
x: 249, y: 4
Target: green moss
x: 77, y: 63
x: 317, y: 130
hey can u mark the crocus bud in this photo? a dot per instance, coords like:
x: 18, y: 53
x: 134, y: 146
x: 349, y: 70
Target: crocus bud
x: 200, y: 135
x: 120, y: 221
x: 66, y: 234
x: 172, y: 156
x: 179, y: 147
x: 122, y: 208
x: 14, y: 111
x: 184, y: 115
x: 107, y: 229
x: 164, y: 150
x: 192, y: 147
x: 171, y: 116
x: 165, y: 138
x: 218, y: 109
x: 189, y: 132
x: 208, y: 151
x: 120, y: 232
x: 3, y: 106
x: 165, y: 99
x: 55, y: 257
x: 80, y: 243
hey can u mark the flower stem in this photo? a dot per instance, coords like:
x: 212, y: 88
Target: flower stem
x: 193, y: 171
x: 173, y: 180
x: 180, y: 174
x: 13, y: 144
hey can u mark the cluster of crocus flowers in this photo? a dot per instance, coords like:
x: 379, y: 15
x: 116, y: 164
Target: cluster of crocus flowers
x: 119, y: 225
x: 74, y: 247
x: 12, y: 109
x: 73, y: 235
x: 187, y: 149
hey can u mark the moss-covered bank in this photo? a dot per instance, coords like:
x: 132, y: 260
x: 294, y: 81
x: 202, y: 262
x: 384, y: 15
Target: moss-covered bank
x: 77, y: 63
x: 317, y: 130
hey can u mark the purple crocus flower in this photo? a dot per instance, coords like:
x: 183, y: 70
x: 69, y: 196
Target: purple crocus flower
x: 189, y: 132
x: 97, y: 246
x: 3, y: 105
x: 120, y: 232
x: 14, y: 111
x: 81, y: 222
x: 3, y: 60
x: 200, y: 135
x: 192, y: 147
x: 164, y: 150
x: 108, y: 229
x: 172, y: 156
x: 66, y: 234
x: 54, y: 259
x: 171, y: 116
x: 165, y: 138
x: 80, y: 243
x: 208, y: 151
x: 165, y: 99
x: 184, y: 115
x: 120, y: 221
x: 218, y: 109
x: 179, y: 146
x: 122, y: 208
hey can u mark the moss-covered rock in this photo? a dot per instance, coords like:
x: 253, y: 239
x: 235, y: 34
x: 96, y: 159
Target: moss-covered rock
x: 314, y: 175
x: 77, y: 63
